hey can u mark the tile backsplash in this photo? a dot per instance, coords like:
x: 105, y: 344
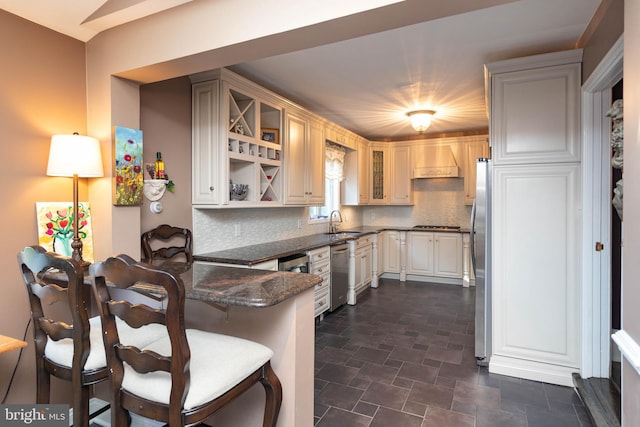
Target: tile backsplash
x: 438, y: 201
x: 217, y: 229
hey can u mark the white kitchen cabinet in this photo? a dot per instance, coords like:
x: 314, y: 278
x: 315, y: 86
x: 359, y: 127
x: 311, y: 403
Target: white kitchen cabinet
x: 475, y: 147
x: 391, y: 259
x: 420, y: 254
x: 400, y: 185
x: 534, y: 109
x: 360, y: 266
x: 378, y: 175
x: 447, y: 260
x: 320, y: 264
x: 536, y: 204
x: 206, y: 188
x: 355, y: 186
x: 304, y: 160
x: 229, y: 115
x: 536, y: 286
x: 435, y: 254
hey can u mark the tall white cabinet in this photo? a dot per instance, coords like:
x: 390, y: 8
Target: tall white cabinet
x: 535, y: 136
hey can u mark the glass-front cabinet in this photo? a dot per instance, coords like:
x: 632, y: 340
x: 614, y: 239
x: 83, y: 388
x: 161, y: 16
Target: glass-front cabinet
x: 379, y: 182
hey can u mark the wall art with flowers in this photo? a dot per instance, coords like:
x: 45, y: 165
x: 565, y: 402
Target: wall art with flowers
x: 55, y: 227
x: 128, y: 169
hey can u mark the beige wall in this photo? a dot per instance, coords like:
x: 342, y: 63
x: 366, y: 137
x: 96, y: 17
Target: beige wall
x: 165, y: 119
x: 42, y: 93
x: 609, y: 30
x: 631, y: 227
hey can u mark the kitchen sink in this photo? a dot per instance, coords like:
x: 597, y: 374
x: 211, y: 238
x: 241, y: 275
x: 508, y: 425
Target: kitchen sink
x: 344, y: 234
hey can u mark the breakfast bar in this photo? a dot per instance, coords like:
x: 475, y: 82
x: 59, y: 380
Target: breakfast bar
x: 273, y: 308
x: 270, y: 307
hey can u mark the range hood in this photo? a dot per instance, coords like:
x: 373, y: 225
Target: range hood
x: 436, y: 162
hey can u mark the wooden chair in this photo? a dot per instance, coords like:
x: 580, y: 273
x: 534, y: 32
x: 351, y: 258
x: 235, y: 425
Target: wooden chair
x: 184, y: 377
x: 72, y: 352
x: 75, y: 351
x: 165, y: 233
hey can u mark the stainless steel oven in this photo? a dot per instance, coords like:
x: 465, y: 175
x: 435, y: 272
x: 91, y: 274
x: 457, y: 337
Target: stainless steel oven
x: 297, y: 263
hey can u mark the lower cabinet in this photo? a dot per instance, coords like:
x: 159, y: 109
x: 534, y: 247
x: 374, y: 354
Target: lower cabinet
x: 360, y: 266
x: 435, y: 254
x: 391, y: 258
x: 320, y: 264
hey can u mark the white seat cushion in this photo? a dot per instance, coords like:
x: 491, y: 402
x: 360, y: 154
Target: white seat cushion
x: 61, y: 351
x: 218, y: 362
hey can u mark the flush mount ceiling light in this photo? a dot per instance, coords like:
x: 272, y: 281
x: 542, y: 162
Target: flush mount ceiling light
x: 420, y: 119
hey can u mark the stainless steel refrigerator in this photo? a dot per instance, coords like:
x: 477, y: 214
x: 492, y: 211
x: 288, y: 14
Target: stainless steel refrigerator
x: 481, y: 259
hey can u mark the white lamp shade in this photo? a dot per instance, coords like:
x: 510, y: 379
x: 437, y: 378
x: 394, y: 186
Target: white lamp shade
x: 420, y: 119
x: 75, y: 155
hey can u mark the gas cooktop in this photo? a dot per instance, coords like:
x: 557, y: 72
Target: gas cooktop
x: 437, y: 227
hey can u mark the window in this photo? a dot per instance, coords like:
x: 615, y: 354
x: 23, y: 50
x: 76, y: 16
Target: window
x: 333, y: 175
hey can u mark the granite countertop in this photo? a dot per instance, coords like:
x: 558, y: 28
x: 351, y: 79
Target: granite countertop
x: 244, y: 286
x: 236, y: 286
x: 256, y: 254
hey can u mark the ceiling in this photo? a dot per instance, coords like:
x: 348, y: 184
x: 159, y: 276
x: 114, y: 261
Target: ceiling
x: 367, y: 84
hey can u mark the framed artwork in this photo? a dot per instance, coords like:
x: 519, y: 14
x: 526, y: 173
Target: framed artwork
x: 128, y: 166
x: 55, y: 227
x: 270, y: 135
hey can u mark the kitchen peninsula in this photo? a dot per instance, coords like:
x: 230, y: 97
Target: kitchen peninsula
x: 270, y: 307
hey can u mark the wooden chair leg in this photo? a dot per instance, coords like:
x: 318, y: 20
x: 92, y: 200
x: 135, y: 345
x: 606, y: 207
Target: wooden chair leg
x: 81, y: 407
x: 273, y: 390
x: 43, y: 386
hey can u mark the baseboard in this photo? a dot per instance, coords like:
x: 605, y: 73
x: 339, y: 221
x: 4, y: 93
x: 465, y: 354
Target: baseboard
x: 529, y: 370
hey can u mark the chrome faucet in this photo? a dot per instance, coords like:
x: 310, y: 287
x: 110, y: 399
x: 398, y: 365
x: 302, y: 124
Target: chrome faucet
x: 333, y: 228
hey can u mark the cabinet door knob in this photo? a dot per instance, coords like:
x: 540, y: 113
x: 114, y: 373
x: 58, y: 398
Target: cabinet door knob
x: 211, y: 188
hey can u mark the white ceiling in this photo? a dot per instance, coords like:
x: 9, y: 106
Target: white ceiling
x: 367, y: 84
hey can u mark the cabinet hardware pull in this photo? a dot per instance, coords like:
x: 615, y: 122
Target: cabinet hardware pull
x: 211, y: 188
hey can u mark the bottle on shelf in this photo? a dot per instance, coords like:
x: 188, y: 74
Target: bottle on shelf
x: 159, y: 166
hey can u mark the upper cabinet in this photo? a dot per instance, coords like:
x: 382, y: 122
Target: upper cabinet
x: 236, y: 145
x: 401, y: 186
x: 304, y: 159
x: 526, y: 127
x: 474, y: 149
x: 205, y: 143
x: 355, y: 186
x: 379, y: 174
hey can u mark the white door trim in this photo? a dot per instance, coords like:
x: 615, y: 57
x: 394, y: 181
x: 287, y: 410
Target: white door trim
x: 596, y: 182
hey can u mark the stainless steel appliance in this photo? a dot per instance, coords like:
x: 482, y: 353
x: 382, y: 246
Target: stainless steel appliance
x: 481, y: 259
x: 339, y: 275
x: 297, y: 263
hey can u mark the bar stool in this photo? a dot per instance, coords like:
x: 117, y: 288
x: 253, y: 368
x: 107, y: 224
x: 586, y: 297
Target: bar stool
x: 165, y: 233
x: 186, y: 376
x: 72, y: 352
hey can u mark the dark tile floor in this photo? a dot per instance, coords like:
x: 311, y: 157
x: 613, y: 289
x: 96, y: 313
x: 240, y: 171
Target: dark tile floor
x: 403, y: 357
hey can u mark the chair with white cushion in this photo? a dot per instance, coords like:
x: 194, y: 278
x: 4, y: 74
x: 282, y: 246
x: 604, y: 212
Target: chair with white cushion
x: 68, y: 343
x: 184, y: 377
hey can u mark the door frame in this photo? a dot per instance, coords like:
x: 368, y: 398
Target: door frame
x: 596, y: 208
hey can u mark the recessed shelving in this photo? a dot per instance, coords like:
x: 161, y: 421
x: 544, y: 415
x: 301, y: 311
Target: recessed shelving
x: 253, y: 160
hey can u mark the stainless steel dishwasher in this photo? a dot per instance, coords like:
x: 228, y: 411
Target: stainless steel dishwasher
x: 339, y: 275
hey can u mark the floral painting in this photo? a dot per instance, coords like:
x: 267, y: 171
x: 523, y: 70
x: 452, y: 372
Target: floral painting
x: 55, y: 227
x: 128, y: 172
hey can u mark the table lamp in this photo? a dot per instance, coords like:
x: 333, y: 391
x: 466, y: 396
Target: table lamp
x: 75, y: 156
